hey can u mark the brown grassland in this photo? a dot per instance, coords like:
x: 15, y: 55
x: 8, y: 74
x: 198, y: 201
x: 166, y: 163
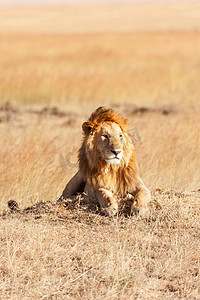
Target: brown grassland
x: 57, y: 65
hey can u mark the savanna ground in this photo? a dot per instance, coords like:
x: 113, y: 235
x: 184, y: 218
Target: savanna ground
x: 57, y: 65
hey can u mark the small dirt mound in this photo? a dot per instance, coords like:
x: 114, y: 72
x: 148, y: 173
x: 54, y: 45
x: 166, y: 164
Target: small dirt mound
x: 8, y: 107
x: 131, y: 109
x: 13, y: 205
x: 160, y: 110
x: 166, y: 208
x: 7, y: 111
x: 51, y: 111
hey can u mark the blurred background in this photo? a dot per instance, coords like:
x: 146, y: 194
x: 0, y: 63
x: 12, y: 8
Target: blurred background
x: 144, y: 52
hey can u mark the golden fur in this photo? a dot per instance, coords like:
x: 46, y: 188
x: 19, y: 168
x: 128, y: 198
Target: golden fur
x: 107, y: 166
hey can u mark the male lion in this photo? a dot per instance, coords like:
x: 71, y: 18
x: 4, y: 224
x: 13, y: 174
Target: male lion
x: 107, y: 167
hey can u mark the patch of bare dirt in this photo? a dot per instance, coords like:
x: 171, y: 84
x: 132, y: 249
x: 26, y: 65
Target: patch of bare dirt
x: 167, y: 206
x: 7, y: 112
x: 25, y: 116
x: 8, y: 107
x: 131, y: 109
x: 160, y: 110
x: 51, y: 111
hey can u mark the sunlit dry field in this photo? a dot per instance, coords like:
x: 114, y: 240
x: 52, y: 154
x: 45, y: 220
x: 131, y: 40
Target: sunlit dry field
x: 58, y: 65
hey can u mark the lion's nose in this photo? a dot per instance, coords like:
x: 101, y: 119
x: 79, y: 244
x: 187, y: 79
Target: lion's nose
x: 116, y: 152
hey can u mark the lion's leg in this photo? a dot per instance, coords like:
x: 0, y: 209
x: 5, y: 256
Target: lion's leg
x: 74, y: 186
x: 141, y: 199
x: 108, y: 203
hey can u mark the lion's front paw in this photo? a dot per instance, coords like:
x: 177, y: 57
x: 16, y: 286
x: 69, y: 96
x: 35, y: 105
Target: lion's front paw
x: 138, y: 208
x: 110, y: 210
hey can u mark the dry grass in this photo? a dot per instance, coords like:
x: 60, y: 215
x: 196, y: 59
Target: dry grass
x: 53, y: 252
x: 39, y: 150
x: 54, y: 80
x: 142, y: 68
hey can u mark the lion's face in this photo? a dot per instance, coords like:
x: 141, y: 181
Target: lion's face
x: 109, y: 142
x: 105, y: 142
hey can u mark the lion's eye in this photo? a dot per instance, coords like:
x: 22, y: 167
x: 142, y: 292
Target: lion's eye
x: 121, y: 136
x: 105, y: 136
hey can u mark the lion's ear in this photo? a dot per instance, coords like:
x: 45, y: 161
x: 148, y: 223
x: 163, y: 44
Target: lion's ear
x: 87, y: 127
